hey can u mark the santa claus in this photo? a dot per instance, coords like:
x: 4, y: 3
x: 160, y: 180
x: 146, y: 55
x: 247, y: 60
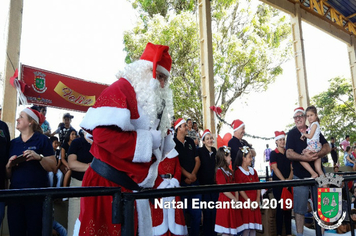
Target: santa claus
x: 129, y: 123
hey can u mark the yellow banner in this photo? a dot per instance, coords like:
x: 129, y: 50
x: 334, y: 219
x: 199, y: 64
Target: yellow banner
x: 73, y: 97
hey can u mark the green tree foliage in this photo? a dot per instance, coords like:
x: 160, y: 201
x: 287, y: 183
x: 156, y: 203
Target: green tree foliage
x: 249, y: 45
x: 336, y: 110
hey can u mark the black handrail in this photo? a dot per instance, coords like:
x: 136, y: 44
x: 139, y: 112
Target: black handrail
x: 47, y: 195
x: 123, y: 203
x: 127, y: 227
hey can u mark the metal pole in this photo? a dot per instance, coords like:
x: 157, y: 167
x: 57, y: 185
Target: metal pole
x: 117, y: 208
x: 47, y: 216
x: 127, y: 226
x: 349, y: 206
x: 314, y: 192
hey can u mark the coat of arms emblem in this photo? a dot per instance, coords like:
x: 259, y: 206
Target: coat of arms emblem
x: 329, y: 202
x: 39, y: 84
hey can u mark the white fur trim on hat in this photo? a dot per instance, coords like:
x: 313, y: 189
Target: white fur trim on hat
x: 29, y: 112
x: 159, y: 68
x: 202, y: 137
x: 279, y: 137
x: 181, y: 122
x: 243, y: 124
x: 143, y: 149
x: 298, y: 110
x: 163, y: 70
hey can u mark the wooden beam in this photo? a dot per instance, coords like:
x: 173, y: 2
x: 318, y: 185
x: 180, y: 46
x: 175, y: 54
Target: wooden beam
x: 207, y: 64
x: 283, y: 5
x: 298, y: 46
x: 350, y: 16
x: 352, y: 59
x: 11, y: 63
x: 317, y: 20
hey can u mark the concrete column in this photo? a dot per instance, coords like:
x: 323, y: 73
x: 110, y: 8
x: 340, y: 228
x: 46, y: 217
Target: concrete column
x: 11, y: 63
x: 298, y: 46
x: 351, y: 49
x: 206, y: 57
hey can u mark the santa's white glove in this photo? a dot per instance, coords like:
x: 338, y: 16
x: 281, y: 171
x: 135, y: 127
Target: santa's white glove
x: 156, y: 139
x: 169, y: 144
x: 164, y: 184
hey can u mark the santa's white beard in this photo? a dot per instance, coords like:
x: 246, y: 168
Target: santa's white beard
x: 150, y: 98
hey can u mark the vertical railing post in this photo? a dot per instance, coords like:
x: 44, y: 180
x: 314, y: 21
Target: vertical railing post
x: 314, y: 192
x: 127, y: 226
x: 47, y: 215
x: 117, y: 208
x: 267, y: 174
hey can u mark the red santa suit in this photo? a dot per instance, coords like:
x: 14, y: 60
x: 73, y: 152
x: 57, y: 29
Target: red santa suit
x: 123, y: 140
x: 251, y: 219
x: 228, y: 220
x: 168, y: 221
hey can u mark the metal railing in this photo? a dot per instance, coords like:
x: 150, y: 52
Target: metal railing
x: 48, y: 195
x: 123, y: 202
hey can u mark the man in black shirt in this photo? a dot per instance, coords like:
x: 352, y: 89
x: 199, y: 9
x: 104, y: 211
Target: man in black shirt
x: 190, y: 163
x: 295, y: 147
x: 236, y: 142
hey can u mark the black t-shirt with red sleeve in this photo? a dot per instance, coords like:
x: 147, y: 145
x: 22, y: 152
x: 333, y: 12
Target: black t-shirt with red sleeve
x: 283, y: 163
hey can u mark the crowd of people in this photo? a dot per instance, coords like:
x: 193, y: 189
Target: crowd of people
x: 36, y: 159
x: 131, y: 140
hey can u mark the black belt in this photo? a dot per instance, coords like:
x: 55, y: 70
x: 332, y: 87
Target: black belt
x: 167, y: 176
x: 114, y: 175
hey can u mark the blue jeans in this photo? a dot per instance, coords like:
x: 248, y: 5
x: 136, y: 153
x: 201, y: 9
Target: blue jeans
x: 59, y: 228
x: 300, y: 198
x: 194, y: 213
x: 349, y: 164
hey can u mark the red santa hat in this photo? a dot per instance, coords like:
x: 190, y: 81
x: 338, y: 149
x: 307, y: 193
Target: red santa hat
x: 298, y: 109
x: 178, y: 123
x: 159, y: 56
x: 34, y: 114
x: 237, y: 124
x: 207, y: 131
x: 279, y: 135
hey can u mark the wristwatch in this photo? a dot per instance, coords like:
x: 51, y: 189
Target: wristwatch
x: 41, y: 157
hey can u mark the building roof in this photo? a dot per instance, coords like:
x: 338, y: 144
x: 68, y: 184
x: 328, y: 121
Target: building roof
x: 341, y: 13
